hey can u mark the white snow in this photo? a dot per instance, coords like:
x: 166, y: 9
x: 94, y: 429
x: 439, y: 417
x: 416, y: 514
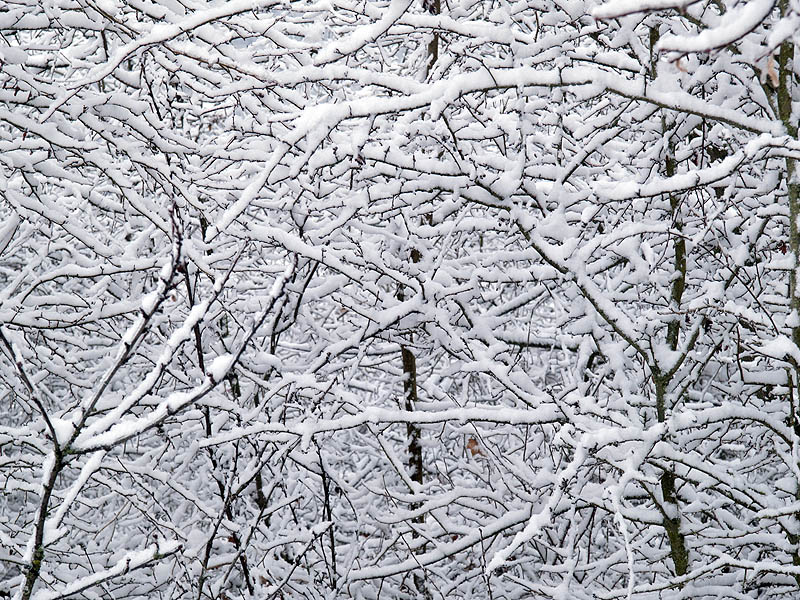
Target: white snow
x: 219, y: 367
x: 13, y: 55
x: 64, y: 430
x: 149, y: 301
x: 734, y: 25
x: 619, y: 8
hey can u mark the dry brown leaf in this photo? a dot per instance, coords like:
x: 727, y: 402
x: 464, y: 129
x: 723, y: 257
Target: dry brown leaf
x: 474, y: 447
x: 771, y: 72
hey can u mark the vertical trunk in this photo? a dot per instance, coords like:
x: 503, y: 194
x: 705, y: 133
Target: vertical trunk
x: 785, y: 60
x: 785, y: 88
x: 670, y: 509
x: 415, y: 459
x: 410, y: 398
x: 34, y: 569
x: 434, y: 7
x: 415, y: 462
x: 672, y: 520
x: 679, y: 264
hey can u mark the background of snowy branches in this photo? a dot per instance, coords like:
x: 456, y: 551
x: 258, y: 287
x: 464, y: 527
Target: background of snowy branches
x: 469, y: 299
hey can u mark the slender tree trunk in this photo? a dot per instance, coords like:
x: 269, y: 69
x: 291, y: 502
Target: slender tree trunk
x: 414, y: 450
x: 410, y: 397
x: 785, y: 88
x: 34, y: 568
x: 434, y: 7
x: 415, y: 459
x: 671, y: 509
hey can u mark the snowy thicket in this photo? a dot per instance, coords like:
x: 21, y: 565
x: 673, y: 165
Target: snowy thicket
x: 459, y: 299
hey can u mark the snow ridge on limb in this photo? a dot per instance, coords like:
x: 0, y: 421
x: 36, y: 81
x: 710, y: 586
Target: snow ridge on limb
x: 620, y: 8
x: 733, y: 26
